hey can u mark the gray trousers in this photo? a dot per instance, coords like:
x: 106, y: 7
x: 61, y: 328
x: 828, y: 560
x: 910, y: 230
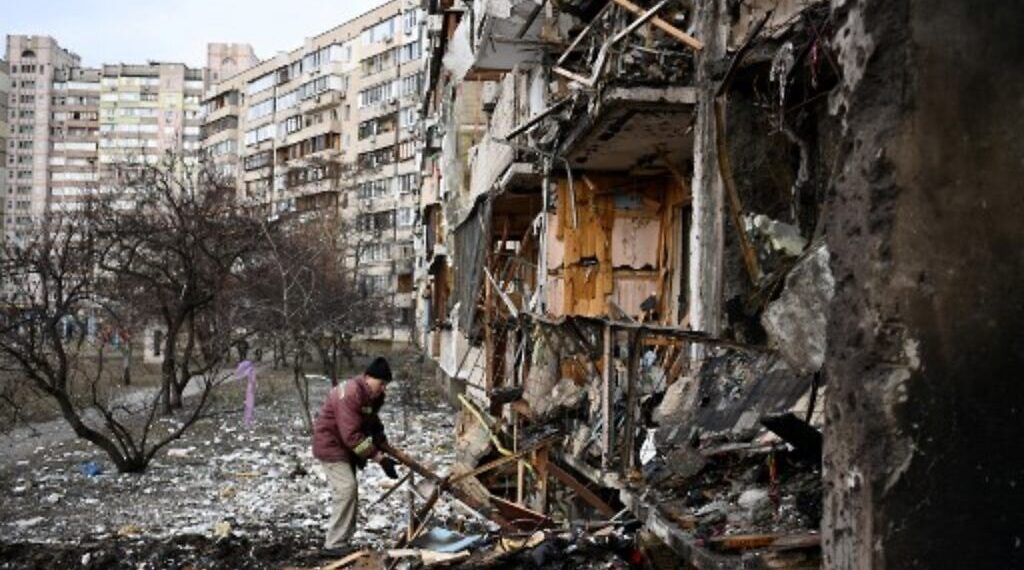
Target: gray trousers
x: 344, y: 499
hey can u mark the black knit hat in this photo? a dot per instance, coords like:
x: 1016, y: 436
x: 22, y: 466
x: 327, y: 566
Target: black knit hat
x: 379, y: 369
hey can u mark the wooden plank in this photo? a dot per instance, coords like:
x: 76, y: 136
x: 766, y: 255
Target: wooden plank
x: 639, y: 21
x: 664, y: 26
x: 483, y: 508
x: 572, y: 76
x: 540, y: 463
x: 581, y: 490
x: 773, y: 541
x: 516, y: 512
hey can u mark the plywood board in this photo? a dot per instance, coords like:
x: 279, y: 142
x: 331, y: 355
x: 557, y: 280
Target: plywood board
x: 635, y: 242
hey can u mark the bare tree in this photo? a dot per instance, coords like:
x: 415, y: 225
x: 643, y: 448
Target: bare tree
x: 307, y: 298
x: 177, y: 244
x: 48, y: 337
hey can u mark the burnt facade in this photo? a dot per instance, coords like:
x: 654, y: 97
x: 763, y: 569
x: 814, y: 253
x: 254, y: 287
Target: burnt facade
x: 674, y: 261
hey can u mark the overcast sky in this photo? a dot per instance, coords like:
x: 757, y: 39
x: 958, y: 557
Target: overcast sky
x: 136, y: 31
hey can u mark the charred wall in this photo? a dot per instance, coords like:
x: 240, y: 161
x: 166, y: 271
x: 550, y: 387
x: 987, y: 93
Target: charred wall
x: 923, y: 458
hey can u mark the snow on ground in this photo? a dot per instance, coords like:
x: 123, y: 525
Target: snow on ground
x: 221, y: 477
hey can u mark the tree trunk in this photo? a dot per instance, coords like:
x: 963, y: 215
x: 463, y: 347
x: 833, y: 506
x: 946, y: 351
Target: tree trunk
x: 302, y: 389
x: 184, y: 374
x: 334, y: 362
x: 126, y: 372
x: 168, y: 368
x: 326, y: 362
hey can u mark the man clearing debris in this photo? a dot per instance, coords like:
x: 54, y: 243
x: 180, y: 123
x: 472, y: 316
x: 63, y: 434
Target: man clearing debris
x: 346, y: 435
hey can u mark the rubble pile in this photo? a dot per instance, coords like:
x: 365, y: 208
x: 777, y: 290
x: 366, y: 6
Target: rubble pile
x: 220, y: 479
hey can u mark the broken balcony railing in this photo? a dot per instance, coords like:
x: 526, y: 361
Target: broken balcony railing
x: 621, y: 42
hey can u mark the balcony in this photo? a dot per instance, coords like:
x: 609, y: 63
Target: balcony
x: 492, y: 160
x: 504, y: 34
x: 230, y: 110
x: 321, y: 128
x: 629, y: 129
x: 321, y: 101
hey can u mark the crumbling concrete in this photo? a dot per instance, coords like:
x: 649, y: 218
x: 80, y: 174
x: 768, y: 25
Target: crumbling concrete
x: 797, y: 320
x: 922, y: 452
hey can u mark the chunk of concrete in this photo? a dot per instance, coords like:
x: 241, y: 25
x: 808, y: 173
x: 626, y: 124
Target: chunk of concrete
x: 565, y: 395
x: 796, y: 322
x: 756, y: 504
x: 678, y: 398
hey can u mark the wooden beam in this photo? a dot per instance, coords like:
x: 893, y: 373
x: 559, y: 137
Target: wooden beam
x: 639, y: 21
x: 664, y: 26
x: 773, y: 541
x: 515, y: 512
x: 735, y: 207
x: 580, y: 489
x: 484, y: 509
x: 606, y: 396
x: 572, y: 76
x: 348, y: 560
x: 540, y: 464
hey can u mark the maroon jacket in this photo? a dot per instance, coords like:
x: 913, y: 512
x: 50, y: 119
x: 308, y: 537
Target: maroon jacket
x: 348, y: 428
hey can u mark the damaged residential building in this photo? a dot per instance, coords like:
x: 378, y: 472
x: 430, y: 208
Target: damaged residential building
x: 696, y: 263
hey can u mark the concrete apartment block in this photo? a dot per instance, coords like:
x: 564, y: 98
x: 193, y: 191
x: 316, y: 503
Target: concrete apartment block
x: 5, y: 88
x: 147, y: 110
x: 330, y: 126
x: 69, y: 124
x: 34, y: 62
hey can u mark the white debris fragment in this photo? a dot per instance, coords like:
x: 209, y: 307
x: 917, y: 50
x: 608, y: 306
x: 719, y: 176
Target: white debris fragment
x: 648, y: 451
x: 180, y: 451
x: 28, y: 523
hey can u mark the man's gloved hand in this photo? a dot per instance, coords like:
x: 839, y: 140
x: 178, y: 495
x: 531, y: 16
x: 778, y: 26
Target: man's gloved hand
x: 388, y: 465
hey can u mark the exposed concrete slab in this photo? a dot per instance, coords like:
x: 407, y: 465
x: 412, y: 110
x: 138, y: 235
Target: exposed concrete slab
x: 630, y: 127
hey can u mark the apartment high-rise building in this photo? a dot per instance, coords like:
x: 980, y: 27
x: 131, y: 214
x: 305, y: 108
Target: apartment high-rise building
x: 147, y: 110
x: 70, y: 124
x: 34, y: 62
x: 5, y: 87
x: 330, y: 126
x: 74, y: 129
